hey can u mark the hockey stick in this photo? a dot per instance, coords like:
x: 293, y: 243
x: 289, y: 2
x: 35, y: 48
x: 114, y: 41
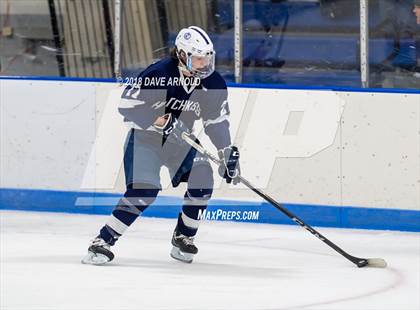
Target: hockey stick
x: 360, y: 262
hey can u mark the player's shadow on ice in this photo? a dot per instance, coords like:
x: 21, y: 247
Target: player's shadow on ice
x: 198, y: 268
x: 169, y: 266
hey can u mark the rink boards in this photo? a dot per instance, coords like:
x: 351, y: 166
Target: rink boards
x: 340, y: 158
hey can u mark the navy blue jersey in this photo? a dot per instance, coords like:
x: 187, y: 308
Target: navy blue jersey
x: 162, y: 88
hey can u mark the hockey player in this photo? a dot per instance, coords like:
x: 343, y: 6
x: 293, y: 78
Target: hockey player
x: 166, y: 100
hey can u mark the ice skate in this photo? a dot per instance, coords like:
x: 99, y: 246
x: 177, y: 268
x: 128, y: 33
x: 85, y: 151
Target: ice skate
x: 98, y: 253
x: 183, y: 247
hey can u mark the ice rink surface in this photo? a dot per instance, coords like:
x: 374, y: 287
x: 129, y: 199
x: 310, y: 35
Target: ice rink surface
x: 239, y: 266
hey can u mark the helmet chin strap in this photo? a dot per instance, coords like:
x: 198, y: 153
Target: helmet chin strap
x: 182, y: 65
x: 183, y: 69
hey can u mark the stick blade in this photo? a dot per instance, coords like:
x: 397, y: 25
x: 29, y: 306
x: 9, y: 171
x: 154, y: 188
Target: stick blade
x: 376, y: 262
x: 370, y: 262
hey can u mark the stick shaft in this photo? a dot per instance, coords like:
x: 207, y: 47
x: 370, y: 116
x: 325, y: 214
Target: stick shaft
x: 358, y: 261
x: 297, y: 220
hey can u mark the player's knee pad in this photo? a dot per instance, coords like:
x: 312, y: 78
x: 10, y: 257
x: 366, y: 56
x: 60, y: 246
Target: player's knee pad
x: 201, y: 177
x: 198, y: 195
x: 141, y: 194
x: 200, y: 185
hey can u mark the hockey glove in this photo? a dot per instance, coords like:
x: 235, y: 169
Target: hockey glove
x: 172, y: 129
x: 229, y: 169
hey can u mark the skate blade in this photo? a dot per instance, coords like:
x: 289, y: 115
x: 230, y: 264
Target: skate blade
x: 95, y: 259
x: 181, y: 256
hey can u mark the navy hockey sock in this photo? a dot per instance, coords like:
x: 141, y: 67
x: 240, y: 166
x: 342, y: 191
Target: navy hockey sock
x: 134, y: 202
x: 195, y: 202
x: 200, y: 189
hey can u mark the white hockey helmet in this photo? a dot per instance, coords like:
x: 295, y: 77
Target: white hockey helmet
x: 195, y: 52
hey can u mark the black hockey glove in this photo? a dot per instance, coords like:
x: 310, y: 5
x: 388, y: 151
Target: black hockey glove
x: 172, y: 130
x: 230, y: 169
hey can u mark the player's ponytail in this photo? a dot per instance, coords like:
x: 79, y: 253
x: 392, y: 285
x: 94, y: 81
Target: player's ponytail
x: 173, y: 53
